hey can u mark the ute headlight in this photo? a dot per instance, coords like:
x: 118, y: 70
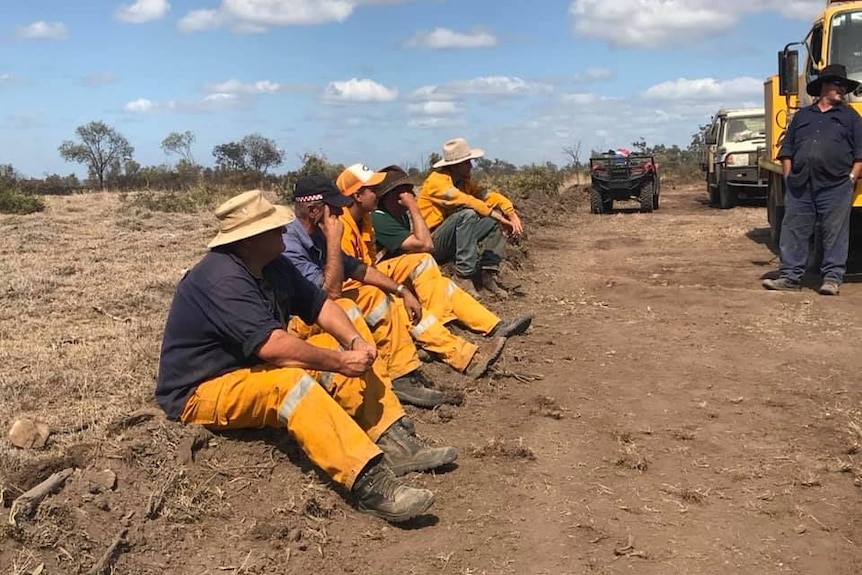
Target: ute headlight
x: 737, y: 160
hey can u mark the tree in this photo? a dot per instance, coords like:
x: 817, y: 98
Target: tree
x: 252, y: 153
x: 261, y: 153
x: 99, y: 148
x: 230, y: 157
x: 574, y: 152
x: 180, y: 144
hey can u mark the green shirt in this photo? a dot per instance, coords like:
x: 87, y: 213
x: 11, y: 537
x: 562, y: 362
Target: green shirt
x: 390, y: 232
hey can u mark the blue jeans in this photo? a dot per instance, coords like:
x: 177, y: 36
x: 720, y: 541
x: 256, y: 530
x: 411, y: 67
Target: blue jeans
x: 462, y: 235
x: 805, y: 208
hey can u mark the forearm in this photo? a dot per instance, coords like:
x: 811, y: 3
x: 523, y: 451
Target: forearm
x: 785, y: 165
x: 856, y: 169
x: 333, y: 270
x: 384, y: 283
x: 285, y: 350
x: 421, y: 237
x: 335, y: 322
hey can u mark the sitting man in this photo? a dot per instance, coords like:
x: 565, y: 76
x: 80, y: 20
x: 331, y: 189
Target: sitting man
x: 400, y: 242
x: 461, y: 217
x: 227, y: 362
x: 314, y: 245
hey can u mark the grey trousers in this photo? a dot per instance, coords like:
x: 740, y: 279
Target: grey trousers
x: 474, y: 242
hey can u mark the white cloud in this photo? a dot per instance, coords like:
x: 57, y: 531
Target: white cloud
x: 141, y: 106
x: 706, y: 89
x: 142, y: 11
x: 482, y: 85
x: 43, y: 31
x: 435, y: 108
x: 199, y: 20
x: 444, y: 38
x: 6, y: 79
x: 356, y: 90
x: 220, y: 97
x: 255, y: 16
x: 238, y: 87
x: 651, y: 23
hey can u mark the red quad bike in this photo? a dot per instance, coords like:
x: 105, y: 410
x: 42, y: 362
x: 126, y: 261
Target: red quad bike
x: 621, y: 177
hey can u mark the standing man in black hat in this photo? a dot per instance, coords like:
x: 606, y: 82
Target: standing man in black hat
x: 822, y: 159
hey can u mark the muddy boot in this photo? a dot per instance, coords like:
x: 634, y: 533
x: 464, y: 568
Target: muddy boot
x: 781, y: 284
x: 379, y: 493
x: 466, y: 284
x: 508, y: 328
x: 490, y: 284
x: 410, y: 391
x: 489, y: 351
x: 403, y: 452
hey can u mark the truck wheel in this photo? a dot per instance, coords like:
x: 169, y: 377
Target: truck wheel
x: 775, y: 215
x: 713, y: 195
x: 597, y: 205
x: 647, y: 196
x: 727, y: 195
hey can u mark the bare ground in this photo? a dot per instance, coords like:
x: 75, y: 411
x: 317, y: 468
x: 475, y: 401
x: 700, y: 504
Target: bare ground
x: 664, y: 415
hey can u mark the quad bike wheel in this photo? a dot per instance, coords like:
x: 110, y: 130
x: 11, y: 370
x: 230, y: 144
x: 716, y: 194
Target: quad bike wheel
x: 597, y: 204
x: 647, y: 196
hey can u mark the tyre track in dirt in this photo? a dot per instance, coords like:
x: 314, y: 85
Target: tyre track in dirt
x: 712, y: 415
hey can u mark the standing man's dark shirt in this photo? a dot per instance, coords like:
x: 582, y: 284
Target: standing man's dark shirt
x: 220, y: 315
x: 822, y: 146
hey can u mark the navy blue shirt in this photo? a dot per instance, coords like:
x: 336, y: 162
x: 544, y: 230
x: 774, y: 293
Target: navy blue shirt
x: 220, y: 315
x: 822, y: 146
x: 308, y: 253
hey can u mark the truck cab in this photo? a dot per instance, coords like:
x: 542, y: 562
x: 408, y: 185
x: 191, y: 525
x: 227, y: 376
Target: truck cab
x: 734, y: 141
x: 835, y: 37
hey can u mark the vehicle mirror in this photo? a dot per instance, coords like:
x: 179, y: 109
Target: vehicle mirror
x: 788, y: 72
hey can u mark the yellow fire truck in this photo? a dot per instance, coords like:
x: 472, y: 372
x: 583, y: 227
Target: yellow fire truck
x: 834, y: 38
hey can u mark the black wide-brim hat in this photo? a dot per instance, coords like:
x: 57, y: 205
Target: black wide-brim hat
x: 834, y: 74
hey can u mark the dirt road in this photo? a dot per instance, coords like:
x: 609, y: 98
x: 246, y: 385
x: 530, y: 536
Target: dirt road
x: 663, y: 415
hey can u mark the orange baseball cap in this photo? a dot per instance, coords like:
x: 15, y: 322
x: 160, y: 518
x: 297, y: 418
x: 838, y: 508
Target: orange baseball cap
x: 357, y: 176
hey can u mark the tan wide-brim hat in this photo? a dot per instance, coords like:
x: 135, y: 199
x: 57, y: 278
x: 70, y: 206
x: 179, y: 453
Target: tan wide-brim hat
x: 247, y: 215
x: 457, y: 150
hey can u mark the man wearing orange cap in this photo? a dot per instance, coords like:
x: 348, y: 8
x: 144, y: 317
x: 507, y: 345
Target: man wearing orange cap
x: 227, y: 362
x: 468, y: 226
x: 357, y: 183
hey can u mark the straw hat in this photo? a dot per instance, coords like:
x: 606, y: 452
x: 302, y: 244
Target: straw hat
x: 457, y: 150
x: 247, y: 215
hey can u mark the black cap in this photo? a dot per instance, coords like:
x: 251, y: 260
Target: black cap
x: 319, y: 188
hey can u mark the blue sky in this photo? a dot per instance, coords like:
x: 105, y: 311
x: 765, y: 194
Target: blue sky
x: 381, y: 81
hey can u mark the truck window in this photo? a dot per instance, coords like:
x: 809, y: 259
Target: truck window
x: 742, y: 129
x: 815, y: 51
x: 845, y: 44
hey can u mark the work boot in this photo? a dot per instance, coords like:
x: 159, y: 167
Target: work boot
x: 467, y: 284
x: 489, y: 351
x: 782, y: 284
x: 379, y: 493
x: 403, y: 452
x: 829, y: 287
x: 508, y: 328
x: 410, y: 391
x: 490, y: 284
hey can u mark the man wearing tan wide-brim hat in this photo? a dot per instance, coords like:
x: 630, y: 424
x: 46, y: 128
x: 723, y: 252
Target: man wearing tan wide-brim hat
x: 227, y: 361
x: 468, y: 226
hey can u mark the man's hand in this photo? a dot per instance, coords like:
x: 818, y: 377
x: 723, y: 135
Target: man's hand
x: 414, y: 308
x: 517, y: 227
x: 331, y: 225
x: 355, y: 363
x: 407, y: 199
x: 362, y: 345
x: 505, y: 225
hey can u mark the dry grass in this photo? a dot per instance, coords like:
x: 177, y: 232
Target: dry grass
x: 84, y: 299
